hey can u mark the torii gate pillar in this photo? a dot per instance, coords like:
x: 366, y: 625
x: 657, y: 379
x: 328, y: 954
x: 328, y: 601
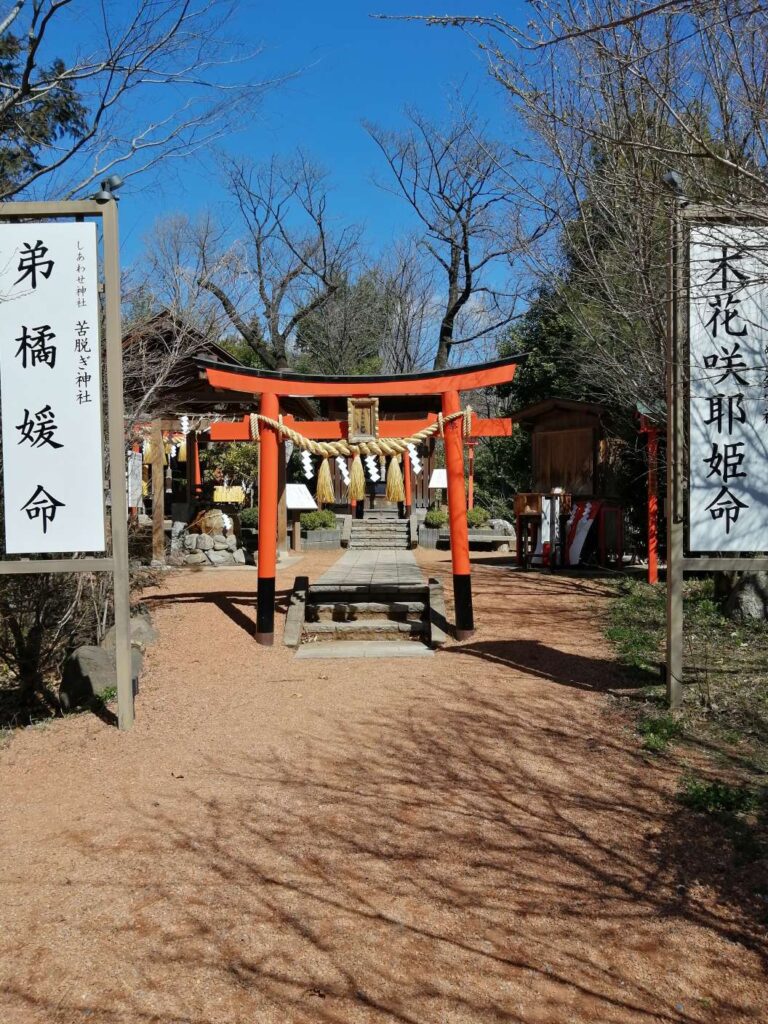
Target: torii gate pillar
x: 457, y: 518
x: 267, y: 566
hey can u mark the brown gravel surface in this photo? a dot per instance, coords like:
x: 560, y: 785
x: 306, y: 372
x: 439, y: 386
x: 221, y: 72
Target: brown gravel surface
x: 474, y: 837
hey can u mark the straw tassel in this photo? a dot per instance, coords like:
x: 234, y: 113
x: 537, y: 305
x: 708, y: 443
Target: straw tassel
x: 395, y: 488
x: 356, y: 487
x: 324, y: 494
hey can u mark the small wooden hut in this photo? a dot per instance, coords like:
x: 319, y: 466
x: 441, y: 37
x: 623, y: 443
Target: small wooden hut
x: 568, y: 446
x: 569, y: 453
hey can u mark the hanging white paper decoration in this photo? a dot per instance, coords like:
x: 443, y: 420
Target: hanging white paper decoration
x: 306, y: 465
x: 373, y: 467
x: 341, y: 462
x: 415, y: 460
x: 185, y: 425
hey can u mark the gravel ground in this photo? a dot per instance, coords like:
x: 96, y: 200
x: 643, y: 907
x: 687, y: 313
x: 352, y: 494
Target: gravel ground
x: 474, y: 837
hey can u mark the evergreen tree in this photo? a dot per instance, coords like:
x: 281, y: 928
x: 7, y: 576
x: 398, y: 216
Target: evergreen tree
x: 27, y: 129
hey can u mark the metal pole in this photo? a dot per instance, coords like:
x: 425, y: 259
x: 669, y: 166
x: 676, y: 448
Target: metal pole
x: 675, y: 329
x: 119, y: 505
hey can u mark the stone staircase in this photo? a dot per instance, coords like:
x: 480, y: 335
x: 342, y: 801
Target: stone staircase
x: 374, y: 619
x: 379, y: 530
x: 399, y: 613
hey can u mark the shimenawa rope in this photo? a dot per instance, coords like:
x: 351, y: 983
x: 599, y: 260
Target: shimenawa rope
x: 379, y: 446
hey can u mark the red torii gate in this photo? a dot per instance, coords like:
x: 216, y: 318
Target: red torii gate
x: 445, y: 384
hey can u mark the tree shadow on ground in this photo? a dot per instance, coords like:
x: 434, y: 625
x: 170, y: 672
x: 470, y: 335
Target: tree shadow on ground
x: 461, y: 856
x: 238, y: 607
x: 562, y: 667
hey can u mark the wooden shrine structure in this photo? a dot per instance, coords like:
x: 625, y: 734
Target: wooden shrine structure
x: 570, y: 457
x: 420, y: 405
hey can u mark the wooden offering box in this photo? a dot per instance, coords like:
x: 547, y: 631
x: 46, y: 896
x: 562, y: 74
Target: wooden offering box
x: 527, y: 504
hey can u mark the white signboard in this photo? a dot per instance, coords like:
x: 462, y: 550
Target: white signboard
x: 728, y: 480
x: 50, y: 388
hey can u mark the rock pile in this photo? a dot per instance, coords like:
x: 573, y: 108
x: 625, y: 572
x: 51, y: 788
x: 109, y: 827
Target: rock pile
x: 209, y: 540
x: 216, y: 549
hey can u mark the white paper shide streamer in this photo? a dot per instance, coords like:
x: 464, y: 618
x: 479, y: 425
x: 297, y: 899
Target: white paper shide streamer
x: 415, y: 460
x: 373, y: 468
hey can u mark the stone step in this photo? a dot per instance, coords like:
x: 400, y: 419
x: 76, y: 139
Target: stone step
x: 394, y: 537
x: 351, y: 649
x: 378, y: 519
x: 381, y: 529
x: 384, y: 538
x: 378, y: 546
x: 382, y: 593
x: 399, y: 539
x: 379, y: 536
x: 355, y: 611
x: 364, y: 629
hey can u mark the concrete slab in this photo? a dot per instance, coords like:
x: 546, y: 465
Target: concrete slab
x: 334, y: 649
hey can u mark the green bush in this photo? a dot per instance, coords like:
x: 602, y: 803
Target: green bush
x: 657, y: 731
x: 435, y: 518
x: 477, y: 517
x: 249, y: 517
x: 321, y: 520
x: 717, y: 798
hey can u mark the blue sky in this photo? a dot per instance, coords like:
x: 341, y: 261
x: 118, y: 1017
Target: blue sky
x: 352, y: 68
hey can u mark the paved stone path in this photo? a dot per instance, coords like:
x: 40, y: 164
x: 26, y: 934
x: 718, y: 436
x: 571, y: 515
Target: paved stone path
x: 373, y: 567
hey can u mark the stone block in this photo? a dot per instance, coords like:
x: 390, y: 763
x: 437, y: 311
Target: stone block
x: 219, y: 542
x: 313, y: 539
x: 204, y: 542
x: 195, y: 558
x: 749, y: 598
x: 294, y: 619
x: 428, y: 537
x: 89, y: 671
x: 143, y: 633
x: 232, y: 542
x: 219, y: 557
x: 177, y: 538
x: 190, y: 541
x: 239, y: 556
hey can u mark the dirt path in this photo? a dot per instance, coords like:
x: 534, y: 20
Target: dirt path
x: 473, y: 837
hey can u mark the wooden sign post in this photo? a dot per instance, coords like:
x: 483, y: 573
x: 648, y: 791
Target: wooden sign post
x: 50, y: 367
x: 717, y: 404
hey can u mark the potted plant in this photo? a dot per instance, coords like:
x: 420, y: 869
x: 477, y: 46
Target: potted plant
x: 320, y: 530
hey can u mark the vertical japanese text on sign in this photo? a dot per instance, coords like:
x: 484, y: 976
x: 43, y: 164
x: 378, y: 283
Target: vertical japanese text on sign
x: 53, y: 480
x: 728, y: 493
